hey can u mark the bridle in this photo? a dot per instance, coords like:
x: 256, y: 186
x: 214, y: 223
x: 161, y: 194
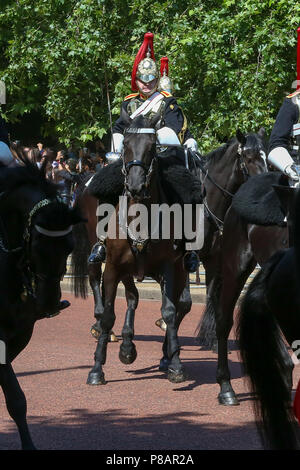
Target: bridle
x: 138, y: 244
x: 127, y: 165
x: 242, y: 166
x: 241, y: 161
x: 28, y: 275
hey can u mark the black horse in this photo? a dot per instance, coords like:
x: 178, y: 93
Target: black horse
x: 224, y: 170
x: 270, y: 307
x: 243, y: 245
x: 35, y: 241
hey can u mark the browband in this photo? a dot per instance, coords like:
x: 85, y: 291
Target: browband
x: 53, y: 233
x: 143, y: 130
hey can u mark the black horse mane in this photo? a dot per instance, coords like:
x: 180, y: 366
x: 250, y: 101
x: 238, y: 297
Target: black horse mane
x: 216, y: 155
x: 57, y: 215
x: 253, y: 141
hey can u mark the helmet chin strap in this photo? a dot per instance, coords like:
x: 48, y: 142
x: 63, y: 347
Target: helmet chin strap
x: 150, y: 93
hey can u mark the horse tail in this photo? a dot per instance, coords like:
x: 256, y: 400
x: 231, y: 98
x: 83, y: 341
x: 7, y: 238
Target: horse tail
x: 261, y: 347
x: 79, y: 261
x: 206, y: 329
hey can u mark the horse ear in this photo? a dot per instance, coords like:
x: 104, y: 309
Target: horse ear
x: 125, y: 117
x: 154, y: 120
x: 241, y: 137
x: 262, y: 133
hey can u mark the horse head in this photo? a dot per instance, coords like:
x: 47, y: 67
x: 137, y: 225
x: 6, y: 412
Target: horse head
x: 139, y: 154
x: 37, y: 223
x: 49, y: 241
x: 251, y: 153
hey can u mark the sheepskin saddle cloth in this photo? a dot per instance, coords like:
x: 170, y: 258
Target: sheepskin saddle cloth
x: 257, y: 201
x: 178, y: 183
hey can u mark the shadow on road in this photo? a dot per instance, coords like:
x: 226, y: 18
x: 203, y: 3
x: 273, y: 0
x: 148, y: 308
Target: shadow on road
x: 114, y: 429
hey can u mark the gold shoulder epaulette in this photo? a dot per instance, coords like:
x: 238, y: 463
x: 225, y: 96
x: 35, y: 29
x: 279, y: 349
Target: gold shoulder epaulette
x: 293, y: 94
x: 166, y: 93
x: 132, y: 95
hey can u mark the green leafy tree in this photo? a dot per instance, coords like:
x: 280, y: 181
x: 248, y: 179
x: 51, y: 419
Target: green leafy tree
x: 232, y: 62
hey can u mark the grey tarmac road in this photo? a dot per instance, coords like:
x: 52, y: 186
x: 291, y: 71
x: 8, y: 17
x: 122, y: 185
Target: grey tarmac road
x: 138, y: 409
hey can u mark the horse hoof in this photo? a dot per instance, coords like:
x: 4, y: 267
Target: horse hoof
x: 164, y: 364
x: 161, y: 324
x: 127, y: 358
x: 228, y: 399
x: 177, y: 376
x: 94, y: 378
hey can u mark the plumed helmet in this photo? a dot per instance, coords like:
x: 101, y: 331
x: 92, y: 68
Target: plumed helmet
x: 144, y: 67
x: 165, y: 83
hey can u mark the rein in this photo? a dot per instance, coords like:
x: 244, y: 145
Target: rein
x: 138, y: 243
x: 243, y: 167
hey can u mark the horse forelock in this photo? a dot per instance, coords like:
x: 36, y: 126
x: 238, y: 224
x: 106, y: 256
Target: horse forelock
x: 138, y: 141
x: 254, y: 142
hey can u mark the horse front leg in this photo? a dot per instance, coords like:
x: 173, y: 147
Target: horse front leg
x: 16, y: 403
x: 128, y: 353
x: 171, y: 294
x: 233, y: 281
x: 184, y: 307
x: 110, y: 283
x: 95, y: 274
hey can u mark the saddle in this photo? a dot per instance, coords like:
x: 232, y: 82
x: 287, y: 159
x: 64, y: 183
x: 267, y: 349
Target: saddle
x: 257, y: 202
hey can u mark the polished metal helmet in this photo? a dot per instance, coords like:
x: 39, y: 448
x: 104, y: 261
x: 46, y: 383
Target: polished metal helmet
x: 144, y: 67
x: 165, y: 83
x: 147, y: 70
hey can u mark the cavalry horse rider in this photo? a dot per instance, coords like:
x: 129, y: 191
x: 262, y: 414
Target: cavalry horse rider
x: 151, y: 96
x: 6, y: 157
x: 284, y: 142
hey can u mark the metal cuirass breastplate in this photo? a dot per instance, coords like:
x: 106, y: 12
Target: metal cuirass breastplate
x: 135, y: 103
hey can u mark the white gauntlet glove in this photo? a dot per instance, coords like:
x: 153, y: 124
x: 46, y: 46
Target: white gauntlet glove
x: 112, y: 157
x: 291, y: 172
x: 117, y: 143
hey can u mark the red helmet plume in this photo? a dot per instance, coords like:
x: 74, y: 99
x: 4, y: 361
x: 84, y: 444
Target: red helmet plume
x: 164, y: 66
x: 145, y: 47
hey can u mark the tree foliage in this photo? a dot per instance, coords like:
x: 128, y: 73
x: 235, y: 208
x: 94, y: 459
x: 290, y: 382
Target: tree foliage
x: 231, y: 61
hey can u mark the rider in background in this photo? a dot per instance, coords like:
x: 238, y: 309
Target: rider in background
x: 4, y: 137
x: 150, y: 97
x: 6, y: 157
x: 285, y: 137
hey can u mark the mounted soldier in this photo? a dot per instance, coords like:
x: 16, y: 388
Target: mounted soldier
x: 150, y: 97
x: 284, y: 143
x: 6, y: 157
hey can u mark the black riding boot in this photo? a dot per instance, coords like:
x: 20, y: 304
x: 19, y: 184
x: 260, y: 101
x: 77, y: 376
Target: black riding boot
x: 191, y: 261
x: 98, y: 253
